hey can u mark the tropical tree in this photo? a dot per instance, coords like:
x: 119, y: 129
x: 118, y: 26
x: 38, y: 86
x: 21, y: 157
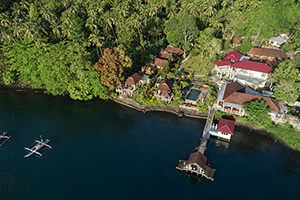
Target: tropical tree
x: 112, y: 66
x: 287, y: 81
x: 257, y: 113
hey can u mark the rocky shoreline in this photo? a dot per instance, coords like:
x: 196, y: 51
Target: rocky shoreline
x: 148, y: 108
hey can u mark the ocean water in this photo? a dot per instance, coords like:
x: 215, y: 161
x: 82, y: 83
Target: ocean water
x: 102, y: 150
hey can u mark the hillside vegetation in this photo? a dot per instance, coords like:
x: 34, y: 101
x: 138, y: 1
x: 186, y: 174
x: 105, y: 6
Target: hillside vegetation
x: 54, y: 44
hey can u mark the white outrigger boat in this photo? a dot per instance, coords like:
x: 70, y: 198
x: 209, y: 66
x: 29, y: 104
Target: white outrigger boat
x: 5, y: 137
x: 39, y: 144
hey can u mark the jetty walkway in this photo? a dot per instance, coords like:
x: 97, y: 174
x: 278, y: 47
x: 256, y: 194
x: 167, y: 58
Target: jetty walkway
x: 206, y: 172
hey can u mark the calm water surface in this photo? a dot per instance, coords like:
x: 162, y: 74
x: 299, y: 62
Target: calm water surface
x: 102, y: 150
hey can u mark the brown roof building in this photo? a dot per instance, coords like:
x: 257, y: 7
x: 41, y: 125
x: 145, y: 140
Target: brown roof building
x: 197, y: 158
x: 175, y: 50
x: 264, y: 53
x: 237, y: 40
x: 165, y: 85
x: 159, y: 63
x: 133, y: 80
x: 235, y: 95
x: 166, y: 56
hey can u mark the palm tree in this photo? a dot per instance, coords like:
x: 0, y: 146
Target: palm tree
x: 96, y: 39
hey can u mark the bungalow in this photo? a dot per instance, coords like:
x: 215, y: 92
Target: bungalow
x: 130, y: 84
x: 196, y: 162
x: 246, y: 72
x: 279, y: 40
x: 171, y: 49
x: 167, y: 56
x: 267, y: 54
x: 159, y: 63
x: 233, y: 56
x: 164, y: 91
x: 236, y: 41
x: 232, y: 97
x: 224, y: 130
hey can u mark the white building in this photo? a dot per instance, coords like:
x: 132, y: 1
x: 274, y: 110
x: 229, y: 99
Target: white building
x: 224, y: 129
x: 245, y: 72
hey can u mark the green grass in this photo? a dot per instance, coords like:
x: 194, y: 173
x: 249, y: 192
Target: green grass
x: 196, y: 66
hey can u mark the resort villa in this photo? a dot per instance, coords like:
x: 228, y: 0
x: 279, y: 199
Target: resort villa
x: 173, y: 50
x: 164, y: 90
x: 232, y: 96
x: 159, y: 63
x: 242, y: 70
x: 129, y: 86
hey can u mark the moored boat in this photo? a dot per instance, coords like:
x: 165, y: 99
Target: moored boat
x: 35, y: 149
x: 5, y: 137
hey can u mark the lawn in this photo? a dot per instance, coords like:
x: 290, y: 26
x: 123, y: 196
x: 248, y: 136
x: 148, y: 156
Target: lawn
x: 196, y: 66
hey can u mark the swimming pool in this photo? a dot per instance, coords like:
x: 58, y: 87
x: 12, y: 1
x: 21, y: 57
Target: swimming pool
x: 193, y: 94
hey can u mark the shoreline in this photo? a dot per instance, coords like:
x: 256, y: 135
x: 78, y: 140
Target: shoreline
x: 180, y: 112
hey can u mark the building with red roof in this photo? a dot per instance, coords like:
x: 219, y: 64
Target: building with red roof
x: 224, y: 130
x: 233, y: 56
x: 237, y: 67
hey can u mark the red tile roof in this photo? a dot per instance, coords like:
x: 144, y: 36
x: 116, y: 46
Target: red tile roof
x: 159, y: 62
x: 133, y: 80
x: 199, y: 158
x: 226, y: 126
x: 222, y: 63
x: 175, y: 50
x: 273, y: 53
x: 234, y: 56
x: 253, y: 66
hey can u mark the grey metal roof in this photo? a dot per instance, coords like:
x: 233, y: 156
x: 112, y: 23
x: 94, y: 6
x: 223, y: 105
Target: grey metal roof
x: 222, y: 91
x: 254, y: 81
x: 278, y: 39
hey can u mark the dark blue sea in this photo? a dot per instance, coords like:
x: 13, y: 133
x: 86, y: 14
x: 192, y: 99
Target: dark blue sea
x: 102, y: 150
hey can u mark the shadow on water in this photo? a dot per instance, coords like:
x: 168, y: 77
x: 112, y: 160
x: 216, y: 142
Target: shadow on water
x: 194, y: 180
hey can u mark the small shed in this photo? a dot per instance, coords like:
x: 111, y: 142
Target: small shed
x: 225, y: 129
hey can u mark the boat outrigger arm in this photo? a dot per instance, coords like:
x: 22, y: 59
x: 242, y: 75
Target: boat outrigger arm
x: 4, y: 136
x: 37, y: 147
x: 44, y: 143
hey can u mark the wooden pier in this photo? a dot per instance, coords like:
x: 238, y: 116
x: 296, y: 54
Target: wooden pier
x: 208, y: 172
x: 205, y: 134
x: 197, y: 161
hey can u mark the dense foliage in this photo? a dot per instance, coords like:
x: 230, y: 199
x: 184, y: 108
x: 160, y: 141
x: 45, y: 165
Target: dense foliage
x: 257, y: 113
x: 53, y: 44
x: 287, y: 81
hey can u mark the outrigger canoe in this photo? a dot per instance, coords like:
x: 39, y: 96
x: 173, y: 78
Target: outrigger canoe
x: 5, y: 137
x: 39, y: 144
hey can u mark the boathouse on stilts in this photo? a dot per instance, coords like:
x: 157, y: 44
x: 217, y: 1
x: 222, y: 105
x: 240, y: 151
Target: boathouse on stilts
x: 224, y: 130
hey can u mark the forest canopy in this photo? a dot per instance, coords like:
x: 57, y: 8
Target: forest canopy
x: 54, y: 44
